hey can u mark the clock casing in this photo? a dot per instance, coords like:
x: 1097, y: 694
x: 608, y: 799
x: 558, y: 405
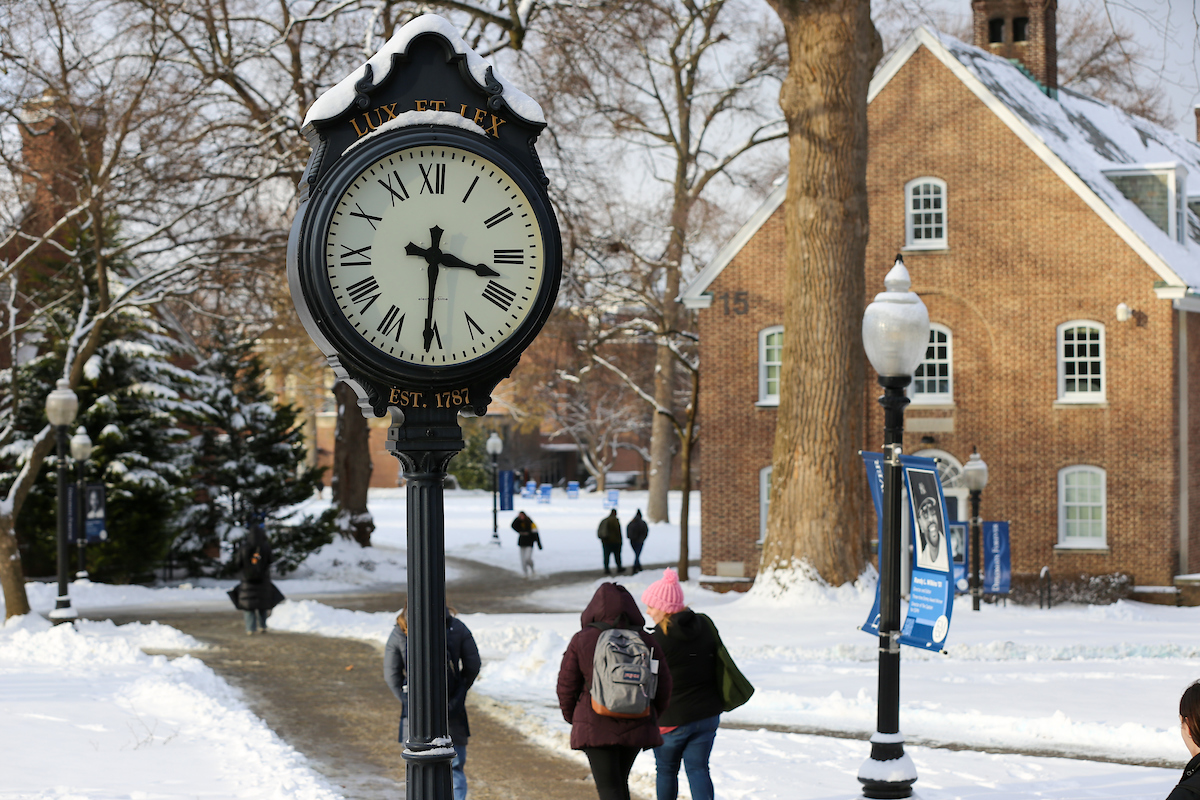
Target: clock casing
x: 408, y: 207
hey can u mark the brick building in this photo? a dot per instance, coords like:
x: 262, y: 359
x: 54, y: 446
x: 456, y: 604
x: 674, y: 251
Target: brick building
x: 1054, y: 241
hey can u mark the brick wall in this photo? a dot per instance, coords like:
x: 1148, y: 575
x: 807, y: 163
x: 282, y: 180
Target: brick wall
x: 1025, y: 254
x: 738, y: 434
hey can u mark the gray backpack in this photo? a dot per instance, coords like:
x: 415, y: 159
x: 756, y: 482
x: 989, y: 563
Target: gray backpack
x: 624, y: 678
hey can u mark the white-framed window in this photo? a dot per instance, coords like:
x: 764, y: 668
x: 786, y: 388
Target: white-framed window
x: 1081, y: 362
x: 933, y: 379
x: 764, y: 501
x: 770, y: 364
x: 925, y: 214
x: 1082, y: 507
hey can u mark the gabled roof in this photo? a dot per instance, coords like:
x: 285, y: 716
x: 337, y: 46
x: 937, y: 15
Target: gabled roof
x: 1078, y: 137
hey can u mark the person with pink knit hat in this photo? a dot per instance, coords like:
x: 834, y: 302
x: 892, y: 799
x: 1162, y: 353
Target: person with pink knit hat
x: 689, y: 725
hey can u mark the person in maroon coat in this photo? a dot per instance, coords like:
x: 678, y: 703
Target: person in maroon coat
x: 610, y: 744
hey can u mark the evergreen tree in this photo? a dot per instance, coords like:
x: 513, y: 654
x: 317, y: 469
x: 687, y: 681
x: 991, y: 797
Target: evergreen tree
x: 249, y: 463
x: 130, y: 398
x: 472, y: 466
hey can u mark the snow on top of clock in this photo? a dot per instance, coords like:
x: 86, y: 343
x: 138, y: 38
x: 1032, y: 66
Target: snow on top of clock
x: 410, y: 118
x: 339, y: 98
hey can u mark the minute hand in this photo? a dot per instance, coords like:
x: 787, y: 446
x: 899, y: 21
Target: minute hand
x: 482, y: 270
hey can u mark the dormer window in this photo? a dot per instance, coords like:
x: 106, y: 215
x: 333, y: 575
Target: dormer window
x: 1160, y: 191
x: 1020, y: 29
x: 996, y: 31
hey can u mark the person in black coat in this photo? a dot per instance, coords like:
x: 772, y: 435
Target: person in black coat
x: 527, y: 537
x: 256, y: 595
x: 1189, y: 729
x: 462, y: 668
x: 636, y: 531
x: 689, y: 726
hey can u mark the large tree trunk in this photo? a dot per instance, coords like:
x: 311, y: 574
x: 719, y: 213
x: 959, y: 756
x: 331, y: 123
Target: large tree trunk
x: 351, y: 468
x: 816, y: 485
x: 662, y: 430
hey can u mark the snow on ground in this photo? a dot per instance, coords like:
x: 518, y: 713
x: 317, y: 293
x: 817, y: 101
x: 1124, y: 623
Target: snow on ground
x: 85, y: 714
x: 1089, y: 681
x: 567, y: 528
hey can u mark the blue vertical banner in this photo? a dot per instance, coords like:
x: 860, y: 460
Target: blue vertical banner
x: 931, y: 596
x: 960, y: 547
x: 874, y: 464
x: 94, y: 513
x: 997, y: 558
x: 506, y: 490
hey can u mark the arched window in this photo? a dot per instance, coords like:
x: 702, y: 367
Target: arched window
x: 925, y: 218
x: 764, y: 501
x: 933, y: 380
x: 1082, y: 507
x: 770, y: 364
x: 1081, y: 362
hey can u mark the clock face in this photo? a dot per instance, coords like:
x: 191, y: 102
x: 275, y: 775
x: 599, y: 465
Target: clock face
x: 434, y: 255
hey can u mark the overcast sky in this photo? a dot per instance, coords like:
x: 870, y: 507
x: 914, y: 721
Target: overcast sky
x: 1166, y: 28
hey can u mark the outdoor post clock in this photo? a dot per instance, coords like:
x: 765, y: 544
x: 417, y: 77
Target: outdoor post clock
x: 425, y: 255
x: 423, y: 260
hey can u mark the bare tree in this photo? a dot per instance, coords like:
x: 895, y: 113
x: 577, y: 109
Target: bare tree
x: 1098, y: 56
x: 815, y: 514
x: 110, y: 205
x: 673, y: 91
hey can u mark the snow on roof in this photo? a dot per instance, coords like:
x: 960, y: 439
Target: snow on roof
x: 1090, y: 137
x: 1078, y: 137
x: 339, y: 98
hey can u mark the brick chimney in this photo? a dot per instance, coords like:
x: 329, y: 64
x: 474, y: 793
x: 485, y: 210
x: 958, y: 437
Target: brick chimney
x: 1023, y: 30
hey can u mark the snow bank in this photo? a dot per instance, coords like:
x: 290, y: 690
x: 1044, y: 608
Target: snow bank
x: 84, y: 713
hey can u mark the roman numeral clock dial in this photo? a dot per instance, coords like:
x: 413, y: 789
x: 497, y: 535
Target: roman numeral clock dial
x: 434, y: 255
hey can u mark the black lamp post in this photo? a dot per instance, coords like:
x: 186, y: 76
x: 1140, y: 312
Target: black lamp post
x: 495, y: 446
x: 81, y: 451
x: 975, y: 476
x: 895, y: 332
x: 61, y: 405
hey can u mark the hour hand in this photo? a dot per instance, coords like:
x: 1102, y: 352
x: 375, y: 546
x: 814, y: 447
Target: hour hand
x: 482, y: 270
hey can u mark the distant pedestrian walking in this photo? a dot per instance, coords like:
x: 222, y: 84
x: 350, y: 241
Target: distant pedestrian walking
x: 610, y: 743
x: 636, y: 531
x: 256, y: 595
x: 609, y: 534
x: 1189, y: 729
x: 527, y: 537
x: 395, y: 667
x: 462, y: 668
x: 690, y: 723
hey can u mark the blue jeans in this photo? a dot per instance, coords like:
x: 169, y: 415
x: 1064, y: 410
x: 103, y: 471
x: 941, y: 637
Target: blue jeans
x: 691, y: 743
x: 458, y: 778
x: 255, y: 619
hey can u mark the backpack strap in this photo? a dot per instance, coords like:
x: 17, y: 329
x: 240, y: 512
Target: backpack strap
x: 601, y: 626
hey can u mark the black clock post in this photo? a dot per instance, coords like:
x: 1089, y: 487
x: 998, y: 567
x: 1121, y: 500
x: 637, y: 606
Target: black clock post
x: 423, y: 260
x: 425, y: 442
